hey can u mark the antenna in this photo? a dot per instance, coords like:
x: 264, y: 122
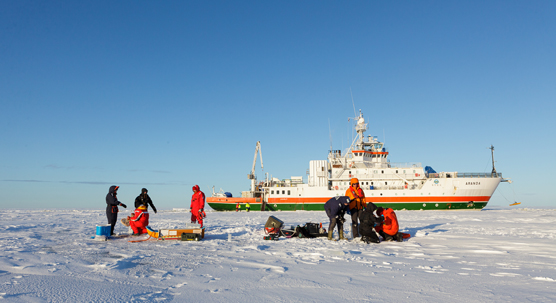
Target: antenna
x: 492, y: 154
x: 354, y: 113
x: 330, y: 134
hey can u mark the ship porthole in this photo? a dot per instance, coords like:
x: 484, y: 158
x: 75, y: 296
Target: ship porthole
x: 436, y: 205
x: 424, y: 205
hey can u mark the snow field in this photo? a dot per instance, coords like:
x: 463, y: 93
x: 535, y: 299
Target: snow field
x: 456, y: 256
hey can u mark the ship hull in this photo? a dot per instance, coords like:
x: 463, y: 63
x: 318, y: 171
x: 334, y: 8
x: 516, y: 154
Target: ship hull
x: 317, y: 204
x: 436, y: 194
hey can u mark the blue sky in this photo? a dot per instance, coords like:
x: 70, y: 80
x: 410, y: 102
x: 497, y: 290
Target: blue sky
x: 166, y: 95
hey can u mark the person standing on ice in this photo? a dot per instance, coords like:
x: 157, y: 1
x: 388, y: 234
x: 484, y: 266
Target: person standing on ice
x: 237, y: 207
x: 139, y: 221
x: 247, y: 206
x: 335, y: 209
x: 197, y: 205
x: 112, y: 204
x: 390, y: 226
x: 144, y: 199
x: 356, y: 206
x: 368, y: 222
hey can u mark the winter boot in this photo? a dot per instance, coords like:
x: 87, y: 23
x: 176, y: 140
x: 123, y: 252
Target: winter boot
x: 355, y: 230
x: 341, y: 233
x: 330, y: 235
x: 399, y: 237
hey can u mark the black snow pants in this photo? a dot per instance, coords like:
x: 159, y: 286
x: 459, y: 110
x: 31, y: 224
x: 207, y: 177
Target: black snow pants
x: 112, y: 215
x: 355, y: 213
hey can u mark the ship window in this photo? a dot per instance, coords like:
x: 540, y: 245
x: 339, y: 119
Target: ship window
x: 288, y: 192
x: 283, y: 192
x: 385, y: 183
x: 372, y: 183
x: 272, y: 192
x: 396, y: 171
x: 383, y: 172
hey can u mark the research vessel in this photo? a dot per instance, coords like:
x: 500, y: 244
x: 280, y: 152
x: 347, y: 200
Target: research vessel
x: 400, y: 186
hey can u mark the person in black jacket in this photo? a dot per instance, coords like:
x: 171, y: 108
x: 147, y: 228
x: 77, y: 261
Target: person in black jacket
x: 368, y: 222
x: 112, y: 204
x: 144, y: 199
x: 335, y: 209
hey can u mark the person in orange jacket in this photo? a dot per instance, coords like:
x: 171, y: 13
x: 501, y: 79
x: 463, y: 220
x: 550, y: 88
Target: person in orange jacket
x: 237, y: 207
x: 390, y: 226
x: 139, y: 221
x: 197, y: 205
x: 356, y: 206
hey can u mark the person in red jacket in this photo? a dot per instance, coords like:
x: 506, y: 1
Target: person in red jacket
x: 139, y: 221
x: 197, y: 205
x: 390, y: 226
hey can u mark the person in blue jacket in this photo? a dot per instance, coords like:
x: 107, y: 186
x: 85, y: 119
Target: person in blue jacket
x: 335, y: 210
x: 112, y: 204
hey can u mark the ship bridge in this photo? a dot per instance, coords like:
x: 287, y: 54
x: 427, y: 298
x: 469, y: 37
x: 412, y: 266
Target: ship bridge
x: 365, y: 152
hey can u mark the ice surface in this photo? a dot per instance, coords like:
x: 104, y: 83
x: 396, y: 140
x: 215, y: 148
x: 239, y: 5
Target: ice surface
x: 458, y: 256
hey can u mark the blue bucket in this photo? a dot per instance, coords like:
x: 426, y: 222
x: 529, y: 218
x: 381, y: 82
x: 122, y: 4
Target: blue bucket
x: 103, y: 230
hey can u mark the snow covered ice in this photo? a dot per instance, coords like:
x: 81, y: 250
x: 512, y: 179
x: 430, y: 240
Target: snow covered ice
x: 456, y: 256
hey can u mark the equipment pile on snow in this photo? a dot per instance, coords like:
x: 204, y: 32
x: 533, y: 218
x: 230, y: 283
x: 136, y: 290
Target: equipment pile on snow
x: 274, y: 229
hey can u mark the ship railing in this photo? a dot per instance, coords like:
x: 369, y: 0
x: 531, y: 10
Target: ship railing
x: 464, y: 175
x: 388, y: 187
x: 406, y: 165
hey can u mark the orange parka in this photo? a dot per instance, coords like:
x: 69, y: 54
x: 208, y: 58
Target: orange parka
x: 356, y: 195
x: 390, y: 225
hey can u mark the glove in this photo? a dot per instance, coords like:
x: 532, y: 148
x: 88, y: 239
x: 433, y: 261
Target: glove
x: 154, y: 210
x: 341, y: 220
x: 123, y: 205
x: 200, y: 210
x: 128, y: 218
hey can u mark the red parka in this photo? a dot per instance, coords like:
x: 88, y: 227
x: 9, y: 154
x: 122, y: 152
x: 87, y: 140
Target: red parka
x: 140, y: 220
x: 390, y: 225
x: 198, y: 200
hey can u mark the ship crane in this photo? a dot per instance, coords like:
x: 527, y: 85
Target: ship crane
x: 252, y: 176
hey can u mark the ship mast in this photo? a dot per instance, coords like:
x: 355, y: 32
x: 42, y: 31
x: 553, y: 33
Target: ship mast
x: 492, y: 155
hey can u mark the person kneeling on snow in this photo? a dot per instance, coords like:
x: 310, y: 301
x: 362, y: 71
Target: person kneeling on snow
x: 335, y: 209
x: 390, y: 227
x: 368, y: 222
x: 139, y: 221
